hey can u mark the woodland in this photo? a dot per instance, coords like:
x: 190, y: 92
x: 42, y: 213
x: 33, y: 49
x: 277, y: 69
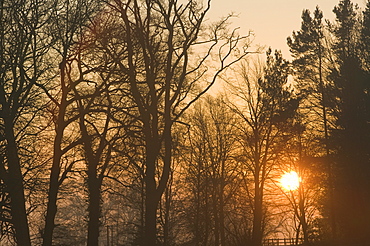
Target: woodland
x: 142, y: 122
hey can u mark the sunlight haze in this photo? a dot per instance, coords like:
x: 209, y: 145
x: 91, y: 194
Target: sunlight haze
x: 272, y: 21
x: 290, y: 181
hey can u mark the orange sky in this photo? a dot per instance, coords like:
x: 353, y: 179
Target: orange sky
x: 271, y: 20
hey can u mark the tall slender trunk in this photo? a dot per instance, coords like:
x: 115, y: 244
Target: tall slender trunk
x: 301, y: 213
x: 257, y: 216
x: 305, y: 230
x: 141, y: 234
x: 167, y: 208
x: 333, y: 222
x: 197, y: 225
x: 151, y: 201
x: 258, y: 194
x: 54, y: 184
x: 51, y: 209
x: 222, y: 200
x: 207, y: 222
x: 222, y: 215
x: 215, y: 204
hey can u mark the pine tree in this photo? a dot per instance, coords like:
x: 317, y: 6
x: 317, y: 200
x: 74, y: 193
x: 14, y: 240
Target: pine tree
x: 365, y: 37
x: 352, y: 136
x: 310, y: 58
x: 308, y: 51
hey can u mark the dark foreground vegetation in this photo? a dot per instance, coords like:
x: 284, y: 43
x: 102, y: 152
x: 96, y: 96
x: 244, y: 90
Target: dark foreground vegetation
x: 108, y: 135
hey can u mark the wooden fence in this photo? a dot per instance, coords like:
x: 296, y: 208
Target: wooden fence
x: 283, y: 242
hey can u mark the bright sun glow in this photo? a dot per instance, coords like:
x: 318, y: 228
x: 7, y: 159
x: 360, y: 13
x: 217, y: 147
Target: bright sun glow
x: 290, y: 181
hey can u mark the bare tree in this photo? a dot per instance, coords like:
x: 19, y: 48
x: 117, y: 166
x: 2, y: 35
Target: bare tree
x: 160, y: 39
x: 163, y: 75
x: 23, y: 45
x: 69, y: 21
x: 98, y: 135
x: 212, y: 174
x: 304, y: 200
x: 265, y: 105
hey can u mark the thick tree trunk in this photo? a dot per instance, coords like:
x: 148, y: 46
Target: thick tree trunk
x: 151, y: 198
x: 154, y: 192
x: 94, y: 210
x: 151, y: 204
x: 15, y: 188
x: 94, y: 181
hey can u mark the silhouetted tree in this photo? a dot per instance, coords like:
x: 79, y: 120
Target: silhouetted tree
x: 213, y: 176
x: 69, y: 19
x: 266, y: 106
x: 309, y: 48
x: 163, y: 77
x: 97, y: 106
x: 309, y: 62
x: 95, y: 125
x: 23, y: 45
x: 352, y: 136
x: 365, y: 37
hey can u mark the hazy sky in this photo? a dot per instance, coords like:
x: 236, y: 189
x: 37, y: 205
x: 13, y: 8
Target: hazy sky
x: 271, y: 20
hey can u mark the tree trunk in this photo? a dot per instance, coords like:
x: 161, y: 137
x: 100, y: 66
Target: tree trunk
x: 53, y: 193
x: 55, y: 169
x: 94, y: 180
x: 94, y: 210
x: 222, y: 214
x: 151, y: 200
x: 197, y: 226
x: 215, y: 205
x: 257, y: 216
x: 15, y: 188
x: 151, y: 204
x: 302, y: 216
x: 207, y: 222
x: 167, y: 217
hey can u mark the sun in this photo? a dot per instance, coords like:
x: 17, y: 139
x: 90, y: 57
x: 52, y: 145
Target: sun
x: 290, y: 181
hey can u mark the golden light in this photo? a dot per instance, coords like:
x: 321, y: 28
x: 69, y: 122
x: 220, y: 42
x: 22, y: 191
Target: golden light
x: 290, y: 181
